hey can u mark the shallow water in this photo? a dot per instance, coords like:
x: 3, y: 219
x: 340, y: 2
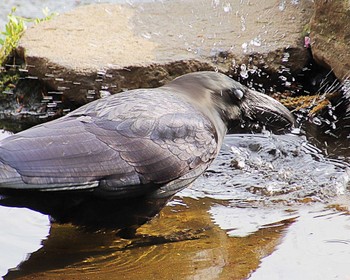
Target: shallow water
x: 270, y: 207
x: 22, y: 232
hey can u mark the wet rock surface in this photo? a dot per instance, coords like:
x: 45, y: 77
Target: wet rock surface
x: 330, y: 35
x: 100, y: 49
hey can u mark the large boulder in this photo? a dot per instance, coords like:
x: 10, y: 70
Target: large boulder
x: 330, y: 35
x: 104, y: 48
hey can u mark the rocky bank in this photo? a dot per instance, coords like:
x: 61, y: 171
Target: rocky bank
x: 104, y: 48
x: 330, y: 35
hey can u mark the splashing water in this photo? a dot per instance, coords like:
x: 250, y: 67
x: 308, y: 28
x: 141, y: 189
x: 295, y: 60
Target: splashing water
x: 243, y: 23
x: 272, y: 169
x: 227, y: 8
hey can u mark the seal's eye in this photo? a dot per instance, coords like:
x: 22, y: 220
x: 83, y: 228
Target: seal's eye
x: 238, y: 93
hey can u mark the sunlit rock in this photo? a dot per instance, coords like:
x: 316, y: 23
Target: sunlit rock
x: 330, y: 36
x: 108, y: 48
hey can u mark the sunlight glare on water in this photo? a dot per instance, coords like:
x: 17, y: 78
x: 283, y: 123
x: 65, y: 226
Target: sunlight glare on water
x: 20, y: 236
x: 276, y: 180
x: 316, y: 246
x: 251, y: 198
x: 231, y: 218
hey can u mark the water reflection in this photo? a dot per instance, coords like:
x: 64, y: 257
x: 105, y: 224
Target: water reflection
x: 316, y: 246
x: 313, y: 245
x: 71, y: 254
x: 231, y: 219
x: 229, y: 225
x: 21, y: 233
x: 255, y: 214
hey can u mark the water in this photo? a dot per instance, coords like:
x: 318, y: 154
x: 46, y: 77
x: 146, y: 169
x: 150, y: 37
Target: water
x: 315, y: 246
x: 267, y: 198
x: 270, y: 207
x: 22, y: 232
x: 270, y: 169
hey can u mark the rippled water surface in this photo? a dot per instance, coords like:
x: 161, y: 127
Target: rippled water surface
x: 270, y: 207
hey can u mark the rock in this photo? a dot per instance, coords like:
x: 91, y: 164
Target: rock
x: 104, y: 48
x: 330, y: 36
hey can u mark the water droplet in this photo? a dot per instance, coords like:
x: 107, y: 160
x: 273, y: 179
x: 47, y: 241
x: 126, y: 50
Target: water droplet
x: 227, y: 8
x: 245, y: 47
x: 146, y: 35
x: 243, y: 73
x: 283, y: 78
x: 285, y: 57
x: 256, y: 42
x: 316, y: 121
x: 282, y: 5
x: 243, y: 25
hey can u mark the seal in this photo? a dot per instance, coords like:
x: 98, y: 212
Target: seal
x: 115, y: 162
